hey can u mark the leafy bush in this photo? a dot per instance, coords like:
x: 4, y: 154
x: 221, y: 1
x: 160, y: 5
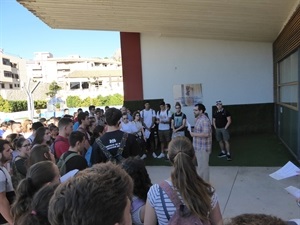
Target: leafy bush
x: 4, y: 105
x: 16, y: 106
x: 75, y: 101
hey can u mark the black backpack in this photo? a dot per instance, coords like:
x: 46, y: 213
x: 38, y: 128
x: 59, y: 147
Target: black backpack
x: 118, y: 158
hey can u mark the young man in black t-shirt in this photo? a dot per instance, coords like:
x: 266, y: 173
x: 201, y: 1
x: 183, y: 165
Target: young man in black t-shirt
x: 112, y: 139
x: 221, y: 122
x: 77, y: 143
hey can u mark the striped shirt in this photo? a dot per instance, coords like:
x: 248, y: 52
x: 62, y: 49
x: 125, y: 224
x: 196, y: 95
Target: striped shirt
x: 155, y: 201
x: 202, y: 125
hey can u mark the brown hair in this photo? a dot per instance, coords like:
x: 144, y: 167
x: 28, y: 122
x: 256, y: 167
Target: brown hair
x: 195, y: 192
x: 256, y: 219
x: 77, y: 201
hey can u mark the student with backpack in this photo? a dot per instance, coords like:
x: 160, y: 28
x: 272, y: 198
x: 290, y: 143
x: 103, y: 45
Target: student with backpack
x: 115, y: 144
x: 184, y: 198
x: 72, y: 159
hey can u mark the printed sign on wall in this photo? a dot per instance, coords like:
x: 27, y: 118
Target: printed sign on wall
x: 188, y: 94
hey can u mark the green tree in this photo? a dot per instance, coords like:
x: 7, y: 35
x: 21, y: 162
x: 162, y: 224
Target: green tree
x: 53, y: 89
x: 4, y: 105
x: 73, y: 101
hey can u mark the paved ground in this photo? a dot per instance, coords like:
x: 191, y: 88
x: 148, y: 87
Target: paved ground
x: 246, y: 190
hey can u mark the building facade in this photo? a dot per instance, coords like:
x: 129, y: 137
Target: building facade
x: 12, y: 73
x: 85, y: 77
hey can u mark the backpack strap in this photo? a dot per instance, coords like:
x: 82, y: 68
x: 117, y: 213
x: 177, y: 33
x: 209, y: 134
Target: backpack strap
x: 172, y: 194
x: 107, y: 154
x: 65, y: 160
x: 163, y: 203
x: 123, y: 143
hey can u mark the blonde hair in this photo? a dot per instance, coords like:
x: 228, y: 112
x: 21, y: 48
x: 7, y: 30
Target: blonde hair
x: 195, y: 192
x: 24, y: 126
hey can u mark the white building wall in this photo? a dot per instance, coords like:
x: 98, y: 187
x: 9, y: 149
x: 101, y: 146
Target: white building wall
x: 234, y: 72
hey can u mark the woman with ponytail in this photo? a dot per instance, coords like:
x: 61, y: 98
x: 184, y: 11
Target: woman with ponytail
x: 37, y: 176
x: 38, y: 211
x: 197, y: 197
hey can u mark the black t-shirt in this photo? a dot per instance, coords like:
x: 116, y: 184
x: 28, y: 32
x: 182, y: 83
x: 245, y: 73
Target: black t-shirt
x: 76, y: 162
x: 178, y: 120
x: 112, y: 141
x: 221, y: 118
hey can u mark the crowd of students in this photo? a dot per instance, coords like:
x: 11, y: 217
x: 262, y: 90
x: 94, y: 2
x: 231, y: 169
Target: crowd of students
x: 101, y: 192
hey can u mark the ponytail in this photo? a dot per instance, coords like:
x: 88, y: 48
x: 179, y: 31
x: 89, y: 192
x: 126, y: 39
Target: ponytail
x: 195, y: 192
x: 24, y: 194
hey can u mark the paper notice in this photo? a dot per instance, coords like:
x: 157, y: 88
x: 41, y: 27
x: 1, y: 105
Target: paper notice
x: 189, y: 128
x: 288, y: 170
x: 293, y: 191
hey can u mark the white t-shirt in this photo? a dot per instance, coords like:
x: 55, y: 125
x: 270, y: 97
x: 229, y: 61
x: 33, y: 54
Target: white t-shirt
x: 5, y: 180
x: 128, y: 127
x: 147, y: 115
x: 163, y: 116
x: 154, y: 199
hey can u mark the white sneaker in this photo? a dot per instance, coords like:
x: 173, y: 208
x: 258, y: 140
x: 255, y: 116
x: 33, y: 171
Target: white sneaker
x: 154, y: 155
x: 144, y: 156
x: 162, y: 155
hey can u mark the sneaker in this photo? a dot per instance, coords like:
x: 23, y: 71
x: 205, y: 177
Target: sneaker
x: 162, y: 155
x: 228, y: 157
x: 144, y: 156
x: 154, y: 155
x: 222, y: 154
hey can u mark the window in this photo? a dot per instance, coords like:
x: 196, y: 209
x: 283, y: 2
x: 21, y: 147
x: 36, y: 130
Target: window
x: 2, y: 85
x: 15, y: 85
x: 7, y: 74
x: 85, y: 85
x: 74, y: 85
x: 288, y: 81
x: 10, y: 86
x: 6, y: 61
x: 98, y: 83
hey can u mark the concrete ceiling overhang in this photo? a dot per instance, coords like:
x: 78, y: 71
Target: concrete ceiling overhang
x: 243, y: 20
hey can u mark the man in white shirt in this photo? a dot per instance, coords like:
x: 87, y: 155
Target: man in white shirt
x: 148, y: 119
x: 6, y: 188
x: 163, y: 118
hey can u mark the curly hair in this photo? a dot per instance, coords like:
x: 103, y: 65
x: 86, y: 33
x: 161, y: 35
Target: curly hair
x: 136, y: 169
x: 97, y: 195
x: 256, y: 219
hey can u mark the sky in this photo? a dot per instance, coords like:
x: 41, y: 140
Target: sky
x: 22, y: 34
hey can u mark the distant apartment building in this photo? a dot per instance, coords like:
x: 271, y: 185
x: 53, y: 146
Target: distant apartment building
x: 85, y: 77
x: 12, y: 73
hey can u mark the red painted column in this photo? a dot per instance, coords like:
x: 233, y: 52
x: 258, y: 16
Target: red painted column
x: 132, y: 66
